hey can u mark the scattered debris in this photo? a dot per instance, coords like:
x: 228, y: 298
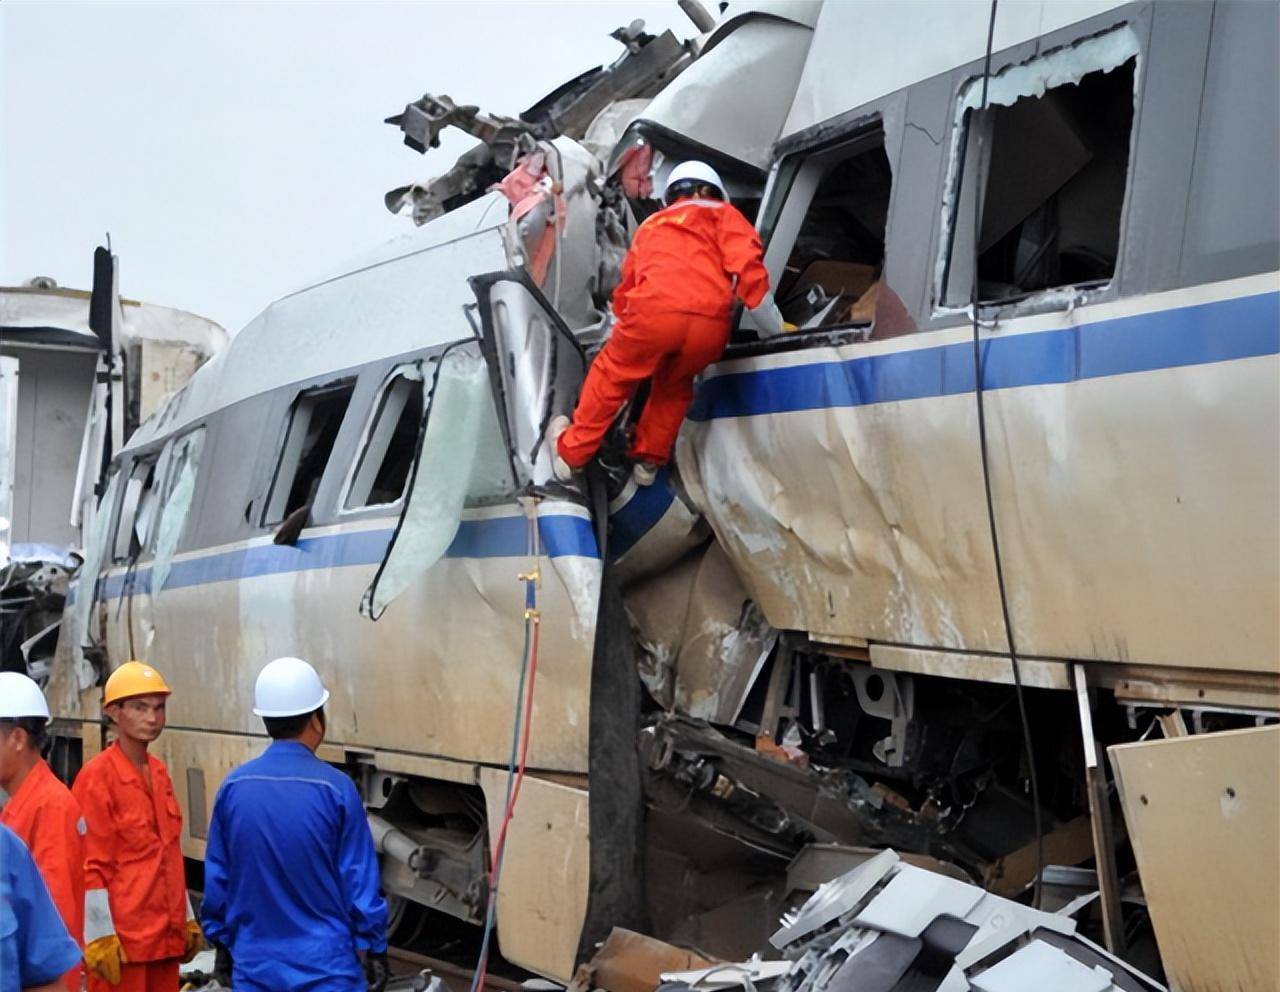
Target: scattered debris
x: 632, y: 962
x: 889, y: 926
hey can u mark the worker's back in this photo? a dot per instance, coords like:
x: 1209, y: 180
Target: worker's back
x: 686, y: 257
x: 291, y: 879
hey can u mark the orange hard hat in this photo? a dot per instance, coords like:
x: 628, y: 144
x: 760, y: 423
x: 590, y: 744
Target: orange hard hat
x: 134, y: 678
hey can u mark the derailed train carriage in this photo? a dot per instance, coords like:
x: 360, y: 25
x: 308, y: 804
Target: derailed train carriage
x: 795, y: 643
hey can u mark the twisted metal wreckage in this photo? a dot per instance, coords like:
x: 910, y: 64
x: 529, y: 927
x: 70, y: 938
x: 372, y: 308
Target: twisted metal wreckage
x: 1006, y: 501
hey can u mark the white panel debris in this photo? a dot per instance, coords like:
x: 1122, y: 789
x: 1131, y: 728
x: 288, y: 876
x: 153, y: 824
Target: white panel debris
x: 1039, y: 965
x: 898, y: 924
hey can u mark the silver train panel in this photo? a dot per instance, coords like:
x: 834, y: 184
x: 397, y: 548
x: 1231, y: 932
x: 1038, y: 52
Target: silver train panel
x: 1166, y: 403
x: 436, y: 675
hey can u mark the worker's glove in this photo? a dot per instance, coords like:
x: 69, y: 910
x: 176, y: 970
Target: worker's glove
x: 222, y: 965
x: 766, y: 318
x: 377, y: 971
x: 195, y: 941
x: 104, y: 957
x: 103, y: 954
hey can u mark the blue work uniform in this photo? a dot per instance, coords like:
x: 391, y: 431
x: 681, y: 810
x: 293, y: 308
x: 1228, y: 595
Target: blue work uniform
x: 291, y: 880
x: 35, y: 948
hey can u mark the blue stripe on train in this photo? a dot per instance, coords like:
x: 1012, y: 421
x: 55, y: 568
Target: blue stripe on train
x: 1221, y: 331
x: 497, y: 537
x: 637, y: 516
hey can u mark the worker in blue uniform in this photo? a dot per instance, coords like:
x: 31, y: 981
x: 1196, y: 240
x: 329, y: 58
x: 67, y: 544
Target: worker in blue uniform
x: 35, y: 948
x: 292, y: 891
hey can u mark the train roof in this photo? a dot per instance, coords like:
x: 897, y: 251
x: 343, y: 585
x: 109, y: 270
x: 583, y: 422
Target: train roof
x: 399, y: 297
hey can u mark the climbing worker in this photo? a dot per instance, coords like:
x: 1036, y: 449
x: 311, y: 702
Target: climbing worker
x: 41, y: 810
x: 672, y: 309
x: 138, y: 922
x: 295, y: 900
x: 36, y: 951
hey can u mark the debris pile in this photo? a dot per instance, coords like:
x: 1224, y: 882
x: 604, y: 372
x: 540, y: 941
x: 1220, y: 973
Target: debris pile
x: 890, y: 926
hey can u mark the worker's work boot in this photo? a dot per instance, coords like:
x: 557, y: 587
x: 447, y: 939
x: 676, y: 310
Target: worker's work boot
x: 644, y: 473
x: 559, y: 424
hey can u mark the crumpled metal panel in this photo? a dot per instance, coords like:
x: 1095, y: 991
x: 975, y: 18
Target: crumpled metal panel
x: 735, y: 97
x: 864, y: 520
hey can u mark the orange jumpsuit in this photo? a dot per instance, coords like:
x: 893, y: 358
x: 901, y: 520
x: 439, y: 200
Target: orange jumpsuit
x: 686, y: 264
x: 132, y: 850
x: 47, y: 817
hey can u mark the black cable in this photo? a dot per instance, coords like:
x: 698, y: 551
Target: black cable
x: 1037, y: 890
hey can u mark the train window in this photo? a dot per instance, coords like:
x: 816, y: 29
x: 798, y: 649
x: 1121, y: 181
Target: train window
x: 1050, y: 155
x: 177, y: 494
x: 137, y: 509
x: 314, y: 422
x: 827, y: 241
x: 392, y: 441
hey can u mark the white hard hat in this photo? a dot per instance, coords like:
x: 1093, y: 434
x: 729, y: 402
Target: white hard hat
x: 288, y: 687
x: 21, y: 697
x: 693, y: 171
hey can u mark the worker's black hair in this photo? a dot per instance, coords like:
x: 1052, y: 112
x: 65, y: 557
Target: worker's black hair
x: 37, y: 729
x: 693, y: 187
x: 287, y: 728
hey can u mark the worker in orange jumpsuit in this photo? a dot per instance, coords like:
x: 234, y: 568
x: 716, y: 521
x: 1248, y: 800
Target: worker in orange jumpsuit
x: 138, y: 919
x: 41, y: 810
x: 686, y: 264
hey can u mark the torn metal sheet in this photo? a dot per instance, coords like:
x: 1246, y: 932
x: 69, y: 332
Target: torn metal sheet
x: 703, y: 639
x: 758, y: 54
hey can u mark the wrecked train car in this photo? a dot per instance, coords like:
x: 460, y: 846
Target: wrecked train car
x: 62, y: 351
x: 826, y: 634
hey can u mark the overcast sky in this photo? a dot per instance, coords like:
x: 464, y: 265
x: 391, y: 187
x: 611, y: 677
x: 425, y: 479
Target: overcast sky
x: 235, y: 150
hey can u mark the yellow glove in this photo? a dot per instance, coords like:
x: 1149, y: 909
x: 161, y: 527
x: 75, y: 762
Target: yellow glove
x: 104, y: 957
x: 195, y: 941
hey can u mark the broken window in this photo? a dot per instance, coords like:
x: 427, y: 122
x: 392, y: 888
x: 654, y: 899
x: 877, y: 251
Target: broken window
x: 387, y: 455
x: 463, y: 461
x: 137, y: 509
x: 832, y: 230
x: 314, y: 422
x: 179, y: 491
x: 1050, y: 155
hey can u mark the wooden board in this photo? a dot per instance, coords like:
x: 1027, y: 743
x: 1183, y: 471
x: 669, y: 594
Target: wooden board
x: 1204, y: 817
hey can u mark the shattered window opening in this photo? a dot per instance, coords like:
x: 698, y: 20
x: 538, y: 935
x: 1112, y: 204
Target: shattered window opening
x: 179, y: 492
x: 314, y: 422
x: 836, y: 247
x: 136, y: 510
x: 1053, y: 176
x: 382, y: 472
